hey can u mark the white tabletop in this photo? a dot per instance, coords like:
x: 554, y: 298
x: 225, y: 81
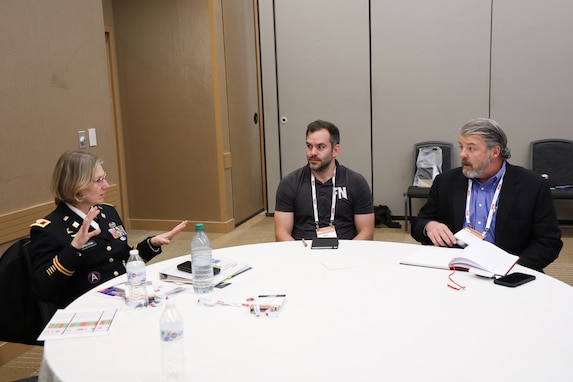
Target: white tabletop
x: 352, y: 314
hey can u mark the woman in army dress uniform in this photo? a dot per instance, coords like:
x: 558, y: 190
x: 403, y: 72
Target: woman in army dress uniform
x: 82, y: 243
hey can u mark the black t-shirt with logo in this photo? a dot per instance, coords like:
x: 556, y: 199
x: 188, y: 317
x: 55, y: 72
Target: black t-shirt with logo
x: 353, y: 197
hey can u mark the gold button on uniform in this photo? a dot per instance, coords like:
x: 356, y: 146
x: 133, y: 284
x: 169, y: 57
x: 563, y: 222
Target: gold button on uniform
x: 111, y: 260
x: 108, y: 248
x: 116, y: 273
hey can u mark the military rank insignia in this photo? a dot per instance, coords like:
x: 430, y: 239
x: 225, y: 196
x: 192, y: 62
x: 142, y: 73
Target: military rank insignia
x: 42, y: 223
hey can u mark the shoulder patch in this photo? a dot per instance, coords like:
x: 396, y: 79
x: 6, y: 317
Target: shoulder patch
x: 42, y: 223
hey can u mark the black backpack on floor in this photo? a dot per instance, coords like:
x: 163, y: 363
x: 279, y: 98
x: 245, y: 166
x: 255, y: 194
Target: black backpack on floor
x: 383, y: 215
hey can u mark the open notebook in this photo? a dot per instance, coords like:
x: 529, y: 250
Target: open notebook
x: 480, y: 257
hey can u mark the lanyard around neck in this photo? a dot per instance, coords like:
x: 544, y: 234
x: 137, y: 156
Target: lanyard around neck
x: 492, y: 207
x: 315, y: 201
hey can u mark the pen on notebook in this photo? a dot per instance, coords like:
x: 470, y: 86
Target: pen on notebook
x: 304, y: 242
x: 233, y: 275
x: 175, y: 291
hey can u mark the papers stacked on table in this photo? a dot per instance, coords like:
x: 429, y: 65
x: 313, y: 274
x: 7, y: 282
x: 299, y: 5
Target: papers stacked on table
x: 80, y: 323
x: 229, y: 268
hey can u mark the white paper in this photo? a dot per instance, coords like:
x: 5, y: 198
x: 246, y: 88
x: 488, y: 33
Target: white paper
x: 465, y: 238
x: 81, y: 323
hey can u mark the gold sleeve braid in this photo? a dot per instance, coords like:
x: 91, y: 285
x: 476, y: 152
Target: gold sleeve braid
x: 56, y: 266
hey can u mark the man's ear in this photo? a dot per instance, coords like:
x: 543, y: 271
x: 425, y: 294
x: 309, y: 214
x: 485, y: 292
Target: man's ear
x: 496, y: 151
x: 336, y: 150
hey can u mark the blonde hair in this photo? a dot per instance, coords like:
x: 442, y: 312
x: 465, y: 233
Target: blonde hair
x: 73, y: 172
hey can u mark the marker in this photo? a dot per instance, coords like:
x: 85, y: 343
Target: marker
x: 304, y: 242
x: 209, y: 302
x: 269, y: 301
x: 256, y: 310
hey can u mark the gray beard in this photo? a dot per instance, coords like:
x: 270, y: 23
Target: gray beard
x: 471, y: 173
x: 476, y: 172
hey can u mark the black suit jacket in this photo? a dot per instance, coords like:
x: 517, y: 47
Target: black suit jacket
x: 525, y: 222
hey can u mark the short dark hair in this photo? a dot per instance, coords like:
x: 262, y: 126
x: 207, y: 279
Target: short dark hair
x: 319, y: 124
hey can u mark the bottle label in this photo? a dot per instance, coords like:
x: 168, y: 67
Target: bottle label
x: 135, y: 276
x: 170, y: 336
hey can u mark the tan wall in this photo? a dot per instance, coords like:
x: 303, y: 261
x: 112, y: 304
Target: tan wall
x: 54, y: 83
x: 174, y: 141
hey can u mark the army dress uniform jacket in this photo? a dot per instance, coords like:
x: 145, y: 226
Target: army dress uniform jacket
x: 60, y: 272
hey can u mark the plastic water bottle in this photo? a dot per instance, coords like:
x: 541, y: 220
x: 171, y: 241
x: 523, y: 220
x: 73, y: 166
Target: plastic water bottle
x: 136, y: 279
x: 172, y: 345
x: 201, y: 261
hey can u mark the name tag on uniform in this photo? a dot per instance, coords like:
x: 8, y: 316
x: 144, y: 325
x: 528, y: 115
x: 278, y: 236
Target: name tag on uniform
x: 89, y: 244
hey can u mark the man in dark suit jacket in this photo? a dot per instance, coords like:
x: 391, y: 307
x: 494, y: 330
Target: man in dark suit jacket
x: 522, y: 221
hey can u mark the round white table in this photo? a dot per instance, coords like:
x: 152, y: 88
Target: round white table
x: 352, y: 314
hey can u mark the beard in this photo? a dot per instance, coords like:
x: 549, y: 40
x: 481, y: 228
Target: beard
x: 476, y: 172
x: 321, y: 166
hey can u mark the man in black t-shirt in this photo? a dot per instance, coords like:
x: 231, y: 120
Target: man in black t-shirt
x: 348, y: 213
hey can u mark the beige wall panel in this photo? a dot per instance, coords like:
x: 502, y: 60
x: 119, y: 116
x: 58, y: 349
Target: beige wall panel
x: 430, y: 74
x: 532, y: 76
x: 54, y: 83
x: 167, y: 97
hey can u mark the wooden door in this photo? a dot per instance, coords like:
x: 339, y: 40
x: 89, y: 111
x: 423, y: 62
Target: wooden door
x: 243, y: 108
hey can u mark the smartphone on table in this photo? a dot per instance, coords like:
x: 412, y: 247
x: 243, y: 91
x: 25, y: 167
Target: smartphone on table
x: 514, y: 279
x: 186, y: 267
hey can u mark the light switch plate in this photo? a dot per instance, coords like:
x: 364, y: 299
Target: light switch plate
x: 92, y: 135
x: 82, y: 139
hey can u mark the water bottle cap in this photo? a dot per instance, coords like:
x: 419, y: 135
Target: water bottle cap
x: 199, y: 227
x: 134, y: 252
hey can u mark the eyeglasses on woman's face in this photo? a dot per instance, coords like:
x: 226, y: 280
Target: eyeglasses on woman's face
x: 100, y: 180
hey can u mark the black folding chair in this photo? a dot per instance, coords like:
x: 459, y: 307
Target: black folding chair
x: 553, y: 158
x: 415, y: 192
